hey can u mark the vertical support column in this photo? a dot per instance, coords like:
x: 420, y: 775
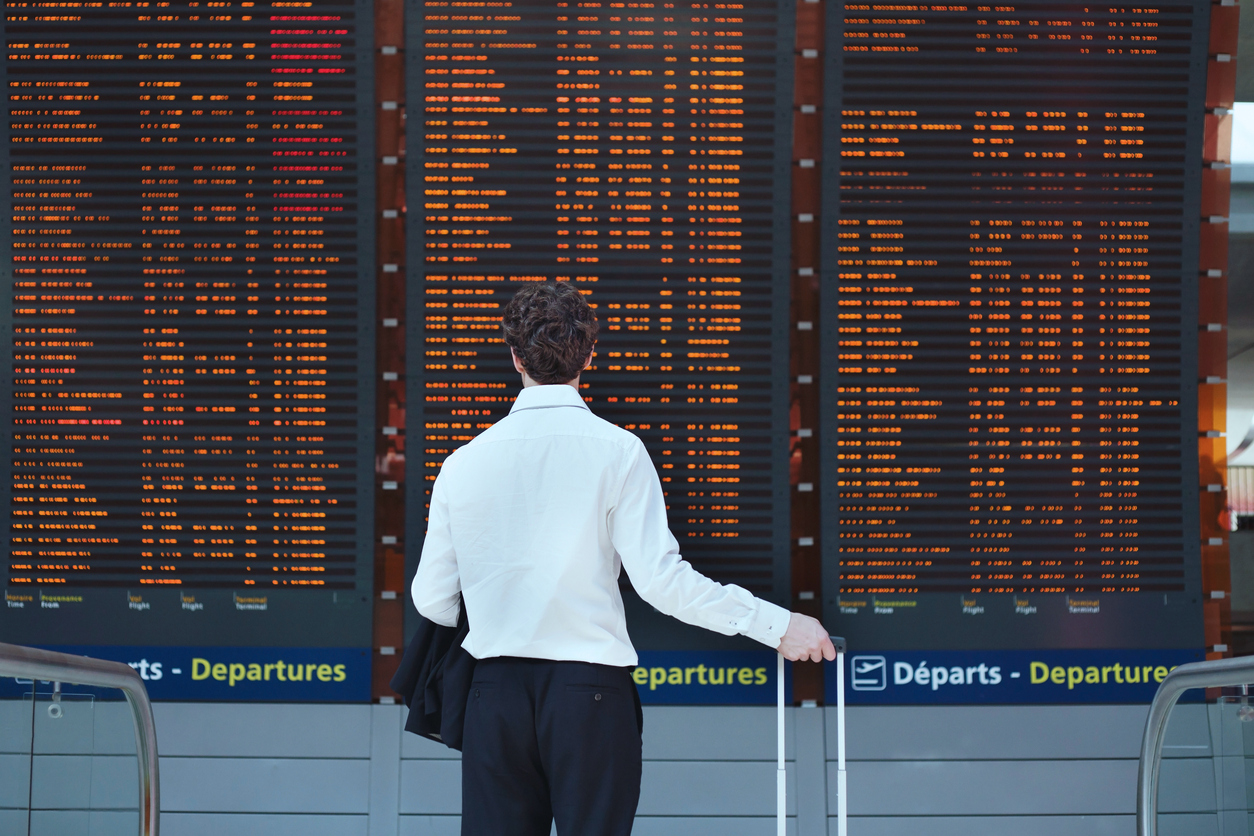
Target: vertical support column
x: 1212, y: 401
x: 386, y: 730
x: 389, y: 573
x: 807, y: 581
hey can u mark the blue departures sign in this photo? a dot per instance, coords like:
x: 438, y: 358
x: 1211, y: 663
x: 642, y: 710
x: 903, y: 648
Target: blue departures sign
x: 258, y: 674
x: 997, y: 677
x: 950, y: 677
x: 237, y: 674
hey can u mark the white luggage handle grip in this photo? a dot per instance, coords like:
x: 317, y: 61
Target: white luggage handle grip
x: 781, y: 774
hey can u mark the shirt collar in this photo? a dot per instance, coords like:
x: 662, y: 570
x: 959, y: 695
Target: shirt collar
x: 545, y: 397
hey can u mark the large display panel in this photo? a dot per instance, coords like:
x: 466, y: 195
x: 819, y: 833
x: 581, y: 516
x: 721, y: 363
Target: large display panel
x: 639, y: 151
x: 191, y: 316
x: 1009, y: 351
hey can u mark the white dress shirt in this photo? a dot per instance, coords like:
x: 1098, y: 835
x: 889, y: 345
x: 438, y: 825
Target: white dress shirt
x: 529, y: 524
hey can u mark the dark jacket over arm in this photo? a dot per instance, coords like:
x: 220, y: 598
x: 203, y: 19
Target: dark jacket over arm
x: 434, y: 680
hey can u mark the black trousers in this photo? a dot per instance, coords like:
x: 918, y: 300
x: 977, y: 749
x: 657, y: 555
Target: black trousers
x: 549, y: 741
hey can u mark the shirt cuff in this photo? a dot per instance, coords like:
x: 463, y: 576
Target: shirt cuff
x: 446, y: 617
x: 769, y: 624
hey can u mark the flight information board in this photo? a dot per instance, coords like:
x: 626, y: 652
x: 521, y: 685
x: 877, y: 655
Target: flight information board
x: 1009, y: 318
x: 191, y: 318
x: 636, y: 150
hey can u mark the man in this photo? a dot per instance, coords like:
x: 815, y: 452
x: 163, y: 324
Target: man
x: 529, y: 524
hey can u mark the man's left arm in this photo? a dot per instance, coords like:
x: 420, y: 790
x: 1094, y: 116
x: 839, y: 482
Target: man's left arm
x: 667, y: 582
x: 436, y: 589
x: 650, y: 554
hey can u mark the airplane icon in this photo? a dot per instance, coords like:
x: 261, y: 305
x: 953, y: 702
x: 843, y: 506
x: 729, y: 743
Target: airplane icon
x: 869, y: 673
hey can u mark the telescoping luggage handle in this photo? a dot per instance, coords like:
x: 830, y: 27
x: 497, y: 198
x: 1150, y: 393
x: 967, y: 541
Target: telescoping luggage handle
x: 781, y: 775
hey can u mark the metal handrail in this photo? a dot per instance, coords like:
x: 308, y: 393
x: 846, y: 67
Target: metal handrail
x: 48, y: 666
x: 1219, y: 673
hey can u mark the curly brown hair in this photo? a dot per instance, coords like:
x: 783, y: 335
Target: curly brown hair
x: 551, y: 329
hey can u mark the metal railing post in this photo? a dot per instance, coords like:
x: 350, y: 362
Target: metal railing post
x: 1219, y: 673
x: 48, y: 666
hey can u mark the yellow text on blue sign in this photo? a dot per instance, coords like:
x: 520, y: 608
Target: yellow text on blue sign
x: 233, y: 672
x: 705, y: 675
x: 1098, y: 675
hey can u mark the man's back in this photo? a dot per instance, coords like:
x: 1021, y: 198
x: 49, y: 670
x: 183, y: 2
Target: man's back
x: 528, y: 524
x: 529, y: 504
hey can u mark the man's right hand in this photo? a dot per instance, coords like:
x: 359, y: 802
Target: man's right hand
x: 806, y: 639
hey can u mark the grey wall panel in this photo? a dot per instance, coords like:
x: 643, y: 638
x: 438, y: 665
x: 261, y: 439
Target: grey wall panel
x: 113, y: 822
x: 989, y: 826
x: 431, y: 826
x: 413, y: 746
x: 13, y: 822
x: 1188, y: 732
x: 1185, y: 785
x: 248, y: 824
x: 14, y: 727
x: 711, y: 788
x: 1233, y: 782
x: 991, y: 788
x: 385, y: 769
x: 263, y: 730
x: 114, y: 731
x: 264, y: 785
x: 114, y: 782
x: 60, y: 823
x: 1168, y: 825
x: 1198, y: 824
x: 1033, y: 788
x: 811, y: 771
x: 713, y: 733
x: 431, y: 787
x: 14, y: 781
x: 1235, y: 821
x: 85, y: 727
x: 82, y: 823
x: 61, y: 782
x: 713, y: 826
x: 1011, y: 732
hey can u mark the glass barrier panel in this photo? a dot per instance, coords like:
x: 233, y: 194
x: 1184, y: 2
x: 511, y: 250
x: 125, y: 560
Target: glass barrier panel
x: 1234, y: 772
x: 1186, y: 783
x: 15, y: 757
x: 84, y: 776
x: 1206, y: 778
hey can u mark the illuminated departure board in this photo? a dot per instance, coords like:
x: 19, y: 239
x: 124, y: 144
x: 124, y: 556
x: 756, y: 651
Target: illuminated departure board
x: 1009, y: 319
x: 191, y: 309
x: 639, y: 151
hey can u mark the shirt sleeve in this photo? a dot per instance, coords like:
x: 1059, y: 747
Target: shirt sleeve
x: 650, y: 554
x: 436, y: 589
